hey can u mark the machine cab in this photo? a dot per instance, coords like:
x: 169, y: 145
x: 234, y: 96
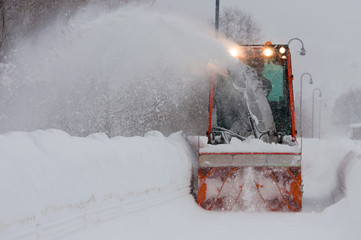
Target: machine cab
x: 253, y: 97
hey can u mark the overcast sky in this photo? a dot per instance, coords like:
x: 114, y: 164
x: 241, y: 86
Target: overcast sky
x: 330, y: 31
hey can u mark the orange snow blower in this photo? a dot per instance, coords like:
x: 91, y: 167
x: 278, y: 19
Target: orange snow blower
x: 250, y: 159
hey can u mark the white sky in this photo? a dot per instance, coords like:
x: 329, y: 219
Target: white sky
x: 330, y: 31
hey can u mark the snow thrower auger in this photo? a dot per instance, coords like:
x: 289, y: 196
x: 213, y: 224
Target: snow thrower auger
x: 250, y: 159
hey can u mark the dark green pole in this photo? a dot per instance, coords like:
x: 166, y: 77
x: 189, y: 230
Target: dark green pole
x: 217, y: 16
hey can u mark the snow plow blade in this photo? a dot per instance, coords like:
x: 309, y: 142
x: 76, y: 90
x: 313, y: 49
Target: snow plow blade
x: 250, y: 181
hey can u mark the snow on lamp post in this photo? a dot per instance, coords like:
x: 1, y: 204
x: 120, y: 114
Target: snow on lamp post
x: 302, y: 50
x: 313, y: 104
x: 310, y: 82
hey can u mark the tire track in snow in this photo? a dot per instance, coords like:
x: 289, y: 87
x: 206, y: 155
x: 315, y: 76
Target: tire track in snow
x: 60, y: 222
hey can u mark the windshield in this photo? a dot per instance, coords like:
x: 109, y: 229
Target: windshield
x: 255, y: 88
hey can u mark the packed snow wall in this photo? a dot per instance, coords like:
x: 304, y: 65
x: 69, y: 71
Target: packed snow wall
x: 330, y: 174
x: 121, y: 72
x: 52, y: 183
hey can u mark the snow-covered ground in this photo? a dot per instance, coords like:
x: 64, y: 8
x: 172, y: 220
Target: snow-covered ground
x: 57, y: 186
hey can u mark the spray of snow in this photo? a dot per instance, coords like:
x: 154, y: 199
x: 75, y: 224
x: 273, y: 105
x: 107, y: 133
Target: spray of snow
x: 122, y: 72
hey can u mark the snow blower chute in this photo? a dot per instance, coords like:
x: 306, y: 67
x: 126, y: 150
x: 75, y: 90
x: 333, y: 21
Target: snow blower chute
x: 250, y: 159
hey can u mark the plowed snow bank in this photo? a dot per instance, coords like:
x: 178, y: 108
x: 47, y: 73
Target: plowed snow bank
x: 43, y: 172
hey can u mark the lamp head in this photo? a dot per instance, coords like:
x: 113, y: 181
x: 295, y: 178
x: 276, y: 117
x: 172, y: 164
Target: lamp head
x: 302, y: 51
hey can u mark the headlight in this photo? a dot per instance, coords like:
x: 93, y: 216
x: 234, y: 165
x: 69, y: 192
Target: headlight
x: 282, y: 50
x: 234, y: 52
x: 268, y: 52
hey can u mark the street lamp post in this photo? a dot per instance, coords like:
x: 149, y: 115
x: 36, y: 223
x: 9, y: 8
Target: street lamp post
x: 302, y: 50
x: 310, y: 82
x: 313, y: 104
x: 322, y: 103
x: 217, y: 17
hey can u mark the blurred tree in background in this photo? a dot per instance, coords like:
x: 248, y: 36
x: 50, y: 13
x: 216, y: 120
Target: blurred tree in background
x: 239, y: 26
x: 2, y: 23
x: 20, y: 17
x: 347, y: 108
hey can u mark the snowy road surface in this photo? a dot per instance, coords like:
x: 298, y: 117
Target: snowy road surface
x: 55, y: 186
x: 182, y: 219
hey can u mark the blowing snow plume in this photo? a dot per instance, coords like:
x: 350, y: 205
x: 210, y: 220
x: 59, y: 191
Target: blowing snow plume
x: 123, y: 73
